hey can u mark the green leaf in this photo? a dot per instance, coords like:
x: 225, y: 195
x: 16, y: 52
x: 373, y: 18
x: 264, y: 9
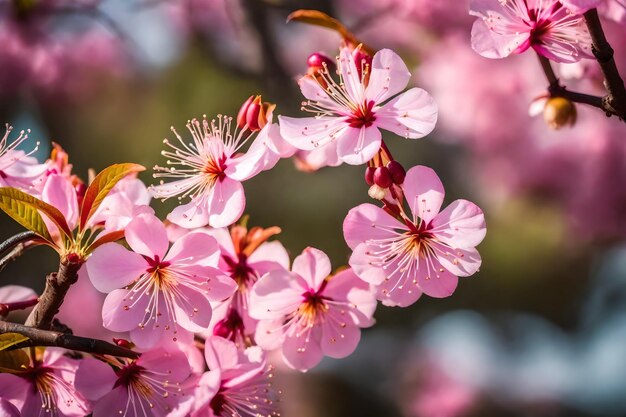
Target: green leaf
x: 101, y: 186
x: 24, y: 209
x: 11, y: 339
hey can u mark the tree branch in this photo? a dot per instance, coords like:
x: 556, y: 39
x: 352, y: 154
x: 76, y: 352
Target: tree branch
x: 57, y: 285
x: 615, y: 100
x: 38, y: 337
x: 13, y: 247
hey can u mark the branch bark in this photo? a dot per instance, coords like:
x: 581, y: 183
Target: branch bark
x: 38, y: 337
x: 57, y: 285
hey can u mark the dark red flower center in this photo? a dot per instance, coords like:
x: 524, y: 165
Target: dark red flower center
x: 362, y: 116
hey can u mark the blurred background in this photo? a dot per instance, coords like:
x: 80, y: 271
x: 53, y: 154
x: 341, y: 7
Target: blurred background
x: 539, y: 331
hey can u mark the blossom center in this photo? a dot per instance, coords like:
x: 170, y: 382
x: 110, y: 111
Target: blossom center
x: 362, y: 116
x: 130, y: 376
x: 313, y: 304
x: 240, y: 271
x: 159, y: 272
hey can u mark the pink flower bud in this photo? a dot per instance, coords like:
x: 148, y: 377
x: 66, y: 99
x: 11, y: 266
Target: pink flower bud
x: 243, y: 112
x: 317, y: 61
x: 382, y: 177
x: 397, y: 172
x: 376, y: 192
x: 253, y: 114
x: 369, y: 175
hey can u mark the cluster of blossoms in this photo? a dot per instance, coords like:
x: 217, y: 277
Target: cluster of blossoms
x: 200, y: 299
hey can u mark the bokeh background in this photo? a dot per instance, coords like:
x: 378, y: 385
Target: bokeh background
x: 539, y: 331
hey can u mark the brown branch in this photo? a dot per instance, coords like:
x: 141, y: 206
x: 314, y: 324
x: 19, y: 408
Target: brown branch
x: 615, y: 100
x: 14, y: 246
x: 38, y: 337
x: 57, y: 285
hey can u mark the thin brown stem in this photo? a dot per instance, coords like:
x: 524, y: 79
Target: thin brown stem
x: 57, y: 285
x: 38, y: 337
x: 615, y: 100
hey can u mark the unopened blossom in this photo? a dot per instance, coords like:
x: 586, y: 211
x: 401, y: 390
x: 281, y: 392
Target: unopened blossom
x: 508, y: 27
x: 211, y: 168
x: 425, y: 253
x: 151, y: 386
x: 310, y: 314
x: 350, y: 113
x: 16, y: 297
x: 46, y: 387
x: 154, y: 292
x: 238, y: 383
x: 246, y: 255
x: 18, y: 168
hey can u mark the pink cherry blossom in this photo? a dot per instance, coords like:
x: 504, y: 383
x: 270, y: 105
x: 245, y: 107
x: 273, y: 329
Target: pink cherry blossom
x: 18, y: 168
x: 237, y: 383
x: 611, y: 9
x: 46, y: 387
x: 309, y: 313
x: 151, y: 386
x: 154, y: 292
x: 422, y: 253
x: 350, y: 114
x: 245, y: 257
x: 211, y: 169
x: 508, y: 27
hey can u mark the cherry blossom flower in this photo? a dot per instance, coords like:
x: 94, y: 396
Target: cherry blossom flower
x: 153, y: 292
x: 46, y: 387
x: 211, y: 169
x: 18, y: 168
x: 309, y: 313
x: 246, y: 255
x: 151, y: 386
x: 611, y: 9
x: 422, y: 253
x: 350, y: 114
x: 508, y: 27
x: 237, y: 383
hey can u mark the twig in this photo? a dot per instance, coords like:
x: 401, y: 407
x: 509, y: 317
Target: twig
x: 57, y: 285
x: 38, y: 337
x: 615, y: 100
x: 13, y: 247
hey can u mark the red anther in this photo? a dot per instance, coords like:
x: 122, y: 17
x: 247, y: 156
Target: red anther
x: 382, y: 177
x: 369, y: 175
x: 397, y: 172
x: 122, y: 343
x: 318, y: 59
x: 243, y: 113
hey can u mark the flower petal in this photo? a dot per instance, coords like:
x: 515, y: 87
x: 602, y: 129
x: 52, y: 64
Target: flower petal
x: 112, y: 266
x: 367, y: 222
x: 424, y: 192
x: 192, y: 309
x: 412, y: 114
x: 191, y: 215
x: 388, y: 77
x: 16, y: 293
x: 276, y: 295
x: 302, y: 350
x: 59, y: 192
x: 313, y: 265
x: 94, y: 378
x: 361, y: 263
x: 226, y: 203
x: 435, y: 280
x: 195, y: 248
x: 120, y: 313
x: 460, y: 225
x: 309, y: 133
x: 460, y: 262
x: 146, y: 235
x: 339, y: 338
x: 357, y: 146
x: 269, y: 256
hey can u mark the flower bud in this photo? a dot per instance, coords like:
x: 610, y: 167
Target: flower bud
x: 123, y: 343
x: 397, y: 172
x: 253, y: 114
x: 559, y: 112
x: 318, y: 60
x: 369, y: 175
x: 382, y: 177
x: 376, y: 192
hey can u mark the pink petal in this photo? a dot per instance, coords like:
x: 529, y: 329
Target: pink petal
x: 388, y: 77
x: 313, y: 265
x: 112, y: 266
x: 269, y: 334
x: 460, y: 225
x: 191, y: 215
x: 221, y: 354
x: 59, y: 192
x: 16, y: 293
x: 151, y: 336
x: 339, y: 341
x: 269, y: 256
x: 219, y: 286
x: 497, y: 45
x: 94, y: 378
x: 226, y: 203
x: 245, y: 166
x: 14, y: 388
x: 412, y: 114
x: 310, y: 133
x: 434, y: 280
x: 171, y: 365
x: 460, y: 262
x: 303, y: 352
x: 146, y: 235
x: 350, y: 76
x: 361, y: 263
x: 115, y: 314
x: 208, y: 386
x: 8, y: 410
x: 424, y: 192
x: 225, y: 241
x: 346, y: 285
x: 192, y: 309
x: 195, y: 248
x: 357, y: 146
x: 116, y: 403
x: 276, y: 294
x: 392, y: 295
x: 368, y: 221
